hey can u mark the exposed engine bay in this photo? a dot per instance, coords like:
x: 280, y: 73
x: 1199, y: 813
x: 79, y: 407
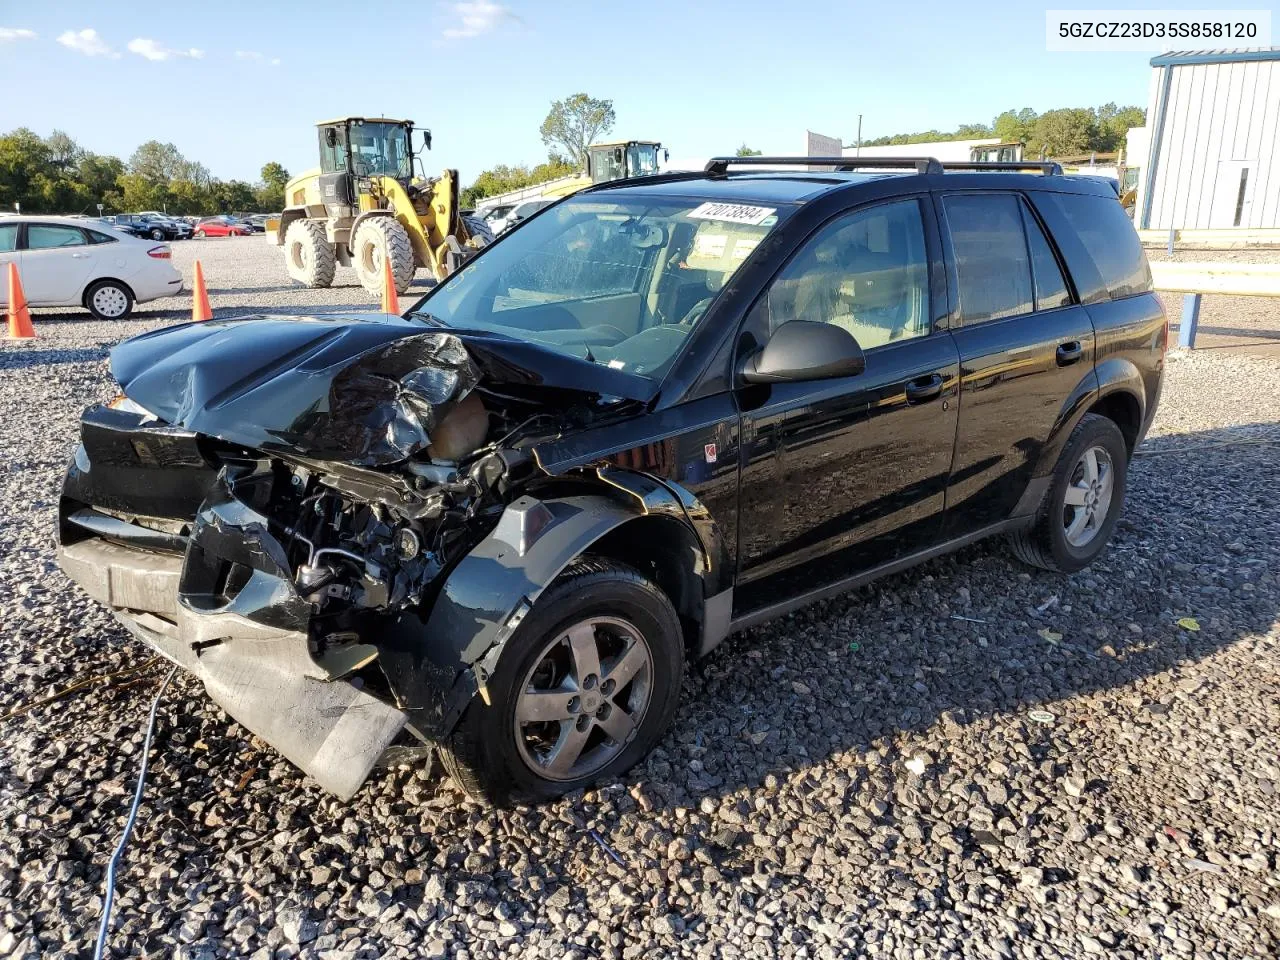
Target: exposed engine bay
x: 337, y: 536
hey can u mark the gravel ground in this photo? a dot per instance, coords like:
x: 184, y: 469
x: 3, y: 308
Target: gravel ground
x: 968, y: 760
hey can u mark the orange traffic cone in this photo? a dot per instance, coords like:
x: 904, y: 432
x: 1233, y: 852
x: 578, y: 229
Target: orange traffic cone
x: 200, y: 309
x: 390, y: 299
x: 19, y: 314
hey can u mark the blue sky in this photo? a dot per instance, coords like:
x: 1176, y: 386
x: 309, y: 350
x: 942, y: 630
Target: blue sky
x: 235, y: 84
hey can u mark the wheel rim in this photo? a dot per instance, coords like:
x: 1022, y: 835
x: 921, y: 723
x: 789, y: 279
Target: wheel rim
x: 298, y: 253
x: 111, y: 302
x: 371, y: 258
x: 584, y: 698
x: 1087, y: 499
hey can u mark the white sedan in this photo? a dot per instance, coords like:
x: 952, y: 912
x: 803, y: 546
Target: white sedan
x: 64, y: 263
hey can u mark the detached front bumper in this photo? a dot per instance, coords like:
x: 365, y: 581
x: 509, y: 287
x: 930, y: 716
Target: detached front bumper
x: 220, y: 603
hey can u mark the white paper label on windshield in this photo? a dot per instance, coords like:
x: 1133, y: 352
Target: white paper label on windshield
x: 743, y: 246
x: 710, y: 244
x: 732, y: 213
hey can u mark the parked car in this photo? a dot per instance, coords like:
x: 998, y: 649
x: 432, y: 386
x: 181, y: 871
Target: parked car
x: 222, y: 226
x: 123, y: 225
x: 521, y: 211
x: 157, y: 228
x: 655, y: 414
x: 67, y: 262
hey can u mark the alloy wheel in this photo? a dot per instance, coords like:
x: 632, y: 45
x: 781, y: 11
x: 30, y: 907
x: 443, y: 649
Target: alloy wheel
x: 584, y: 698
x: 1087, y: 499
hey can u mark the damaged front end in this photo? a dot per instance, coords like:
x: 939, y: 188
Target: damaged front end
x: 279, y: 505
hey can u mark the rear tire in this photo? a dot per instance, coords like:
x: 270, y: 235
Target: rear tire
x: 1083, y: 502
x: 109, y: 300
x: 308, y: 255
x: 378, y: 238
x: 496, y: 753
x: 200, y: 234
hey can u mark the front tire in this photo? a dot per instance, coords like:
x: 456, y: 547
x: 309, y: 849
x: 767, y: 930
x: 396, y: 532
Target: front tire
x: 200, y: 234
x: 157, y: 235
x: 479, y: 230
x: 109, y: 300
x: 308, y: 255
x: 585, y: 688
x: 1083, y: 503
x: 378, y: 238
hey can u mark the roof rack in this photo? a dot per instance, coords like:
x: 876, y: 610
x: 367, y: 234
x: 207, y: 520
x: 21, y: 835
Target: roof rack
x: 1046, y: 167
x: 719, y: 166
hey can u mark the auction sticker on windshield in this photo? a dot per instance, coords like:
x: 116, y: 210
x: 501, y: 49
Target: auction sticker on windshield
x: 732, y: 212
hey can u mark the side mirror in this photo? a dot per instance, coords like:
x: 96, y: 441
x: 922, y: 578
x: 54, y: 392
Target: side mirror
x: 331, y: 137
x: 426, y: 139
x: 804, y: 350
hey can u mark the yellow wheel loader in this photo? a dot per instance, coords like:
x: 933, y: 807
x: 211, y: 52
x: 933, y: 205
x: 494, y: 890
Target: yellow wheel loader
x: 365, y: 204
x: 618, y: 160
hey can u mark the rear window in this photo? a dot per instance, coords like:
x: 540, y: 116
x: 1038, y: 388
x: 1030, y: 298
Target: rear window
x: 1110, y: 240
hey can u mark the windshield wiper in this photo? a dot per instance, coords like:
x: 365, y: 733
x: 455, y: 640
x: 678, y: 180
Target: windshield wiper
x: 425, y: 317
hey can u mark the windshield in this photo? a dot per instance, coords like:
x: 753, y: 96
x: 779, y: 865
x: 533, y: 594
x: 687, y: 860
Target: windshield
x: 380, y: 150
x: 642, y: 159
x: 616, y: 282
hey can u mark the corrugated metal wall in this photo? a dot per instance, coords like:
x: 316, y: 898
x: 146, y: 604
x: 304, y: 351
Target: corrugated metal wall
x: 1220, y: 119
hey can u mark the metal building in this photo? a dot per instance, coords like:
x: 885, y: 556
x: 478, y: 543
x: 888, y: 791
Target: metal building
x: 1212, y: 162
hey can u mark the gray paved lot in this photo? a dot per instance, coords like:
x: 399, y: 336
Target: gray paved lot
x: 869, y: 777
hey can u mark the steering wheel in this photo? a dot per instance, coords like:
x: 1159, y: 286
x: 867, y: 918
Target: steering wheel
x: 695, y: 312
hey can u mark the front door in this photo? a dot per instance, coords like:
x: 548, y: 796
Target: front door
x: 55, y: 263
x: 8, y: 255
x: 842, y: 475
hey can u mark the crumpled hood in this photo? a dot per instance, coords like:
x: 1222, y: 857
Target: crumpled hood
x: 365, y: 389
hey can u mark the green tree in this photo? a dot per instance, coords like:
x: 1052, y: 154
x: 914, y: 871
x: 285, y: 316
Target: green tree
x: 23, y: 155
x: 1114, y: 122
x: 972, y: 131
x: 745, y: 151
x: 139, y: 193
x: 1059, y: 133
x: 64, y: 153
x: 233, y: 196
x: 100, y: 175
x: 1014, y: 126
x: 575, y: 123
x: 270, y: 193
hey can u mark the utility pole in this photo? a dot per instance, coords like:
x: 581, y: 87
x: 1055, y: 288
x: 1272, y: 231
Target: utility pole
x: 859, y: 148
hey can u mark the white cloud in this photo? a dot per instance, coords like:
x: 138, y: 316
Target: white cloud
x: 148, y: 48
x: 477, y: 16
x: 9, y: 33
x: 257, y: 57
x: 87, y: 42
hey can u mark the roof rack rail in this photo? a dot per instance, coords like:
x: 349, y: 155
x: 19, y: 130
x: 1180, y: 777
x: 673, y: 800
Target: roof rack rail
x: 1046, y: 167
x: 719, y: 166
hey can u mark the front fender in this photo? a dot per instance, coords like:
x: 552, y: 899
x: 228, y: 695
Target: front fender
x: 437, y: 661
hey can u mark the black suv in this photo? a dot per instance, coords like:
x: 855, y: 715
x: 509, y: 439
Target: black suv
x: 662, y: 410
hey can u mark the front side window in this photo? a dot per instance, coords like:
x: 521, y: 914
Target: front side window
x: 867, y: 272
x: 992, y: 265
x: 46, y: 236
x: 8, y: 237
x: 616, y: 281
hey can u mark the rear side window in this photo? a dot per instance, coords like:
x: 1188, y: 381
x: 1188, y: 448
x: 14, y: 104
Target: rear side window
x: 1051, y: 287
x: 96, y: 237
x: 993, y: 268
x: 46, y: 236
x: 1112, y: 243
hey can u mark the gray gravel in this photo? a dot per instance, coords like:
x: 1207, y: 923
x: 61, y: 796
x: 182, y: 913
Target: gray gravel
x: 1063, y: 772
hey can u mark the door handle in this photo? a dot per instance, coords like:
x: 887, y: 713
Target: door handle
x: 1069, y: 353
x: 924, y: 389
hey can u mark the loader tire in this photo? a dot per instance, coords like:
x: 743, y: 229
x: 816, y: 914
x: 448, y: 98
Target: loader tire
x: 376, y: 238
x: 479, y: 230
x: 308, y: 255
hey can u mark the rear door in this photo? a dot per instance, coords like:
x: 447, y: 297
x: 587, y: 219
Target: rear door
x: 843, y: 475
x: 56, y: 262
x: 1026, y: 347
